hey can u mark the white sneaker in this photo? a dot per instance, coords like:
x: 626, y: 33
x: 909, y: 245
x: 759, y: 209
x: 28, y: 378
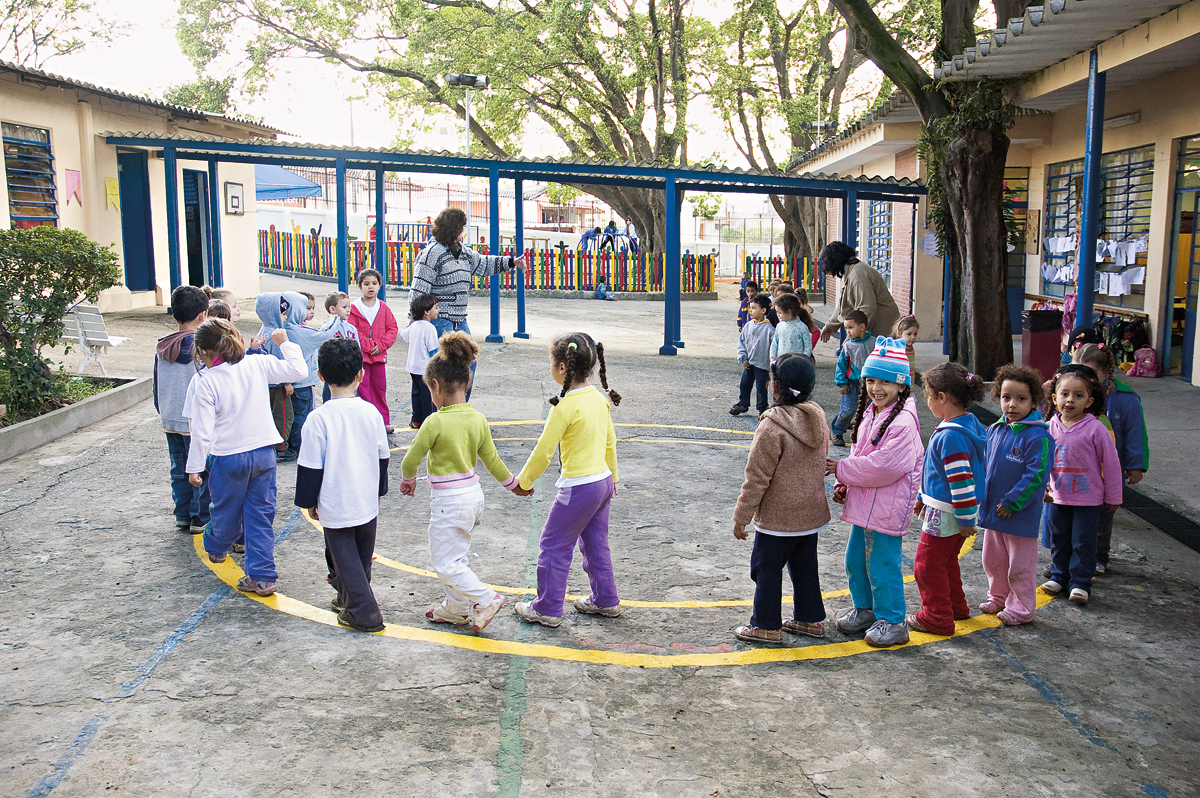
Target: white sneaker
x: 589, y: 607
x: 527, y: 613
x: 482, y: 614
x: 1052, y: 588
x: 1079, y: 597
x: 439, y: 613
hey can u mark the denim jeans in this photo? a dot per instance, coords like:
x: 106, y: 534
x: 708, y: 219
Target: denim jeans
x: 845, y: 416
x: 191, y: 504
x: 302, y: 405
x: 759, y: 379
x: 243, y: 485
x: 444, y: 326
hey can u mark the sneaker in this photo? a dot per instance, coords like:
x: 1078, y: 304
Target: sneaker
x: 1051, y: 587
x: 752, y: 634
x: 991, y: 606
x: 588, y: 607
x: 482, y: 614
x: 838, y: 440
x: 1100, y: 568
x: 1079, y: 597
x: 912, y: 623
x: 439, y: 613
x: 883, y: 634
x: 345, y: 620
x: 248, y: 585
x: 1009, y: 620
x: 801, y: 628
x: 525, y: 611
x: 414, y: 425
x: 183, y: 525
x: 198, y: 527
x: 738, y: 409
x: 853, y: 621
x: 288, y: 456
x: 217, y: 558
x: 336, y: 604
x: 1046, y: 573
x: 238, y: 548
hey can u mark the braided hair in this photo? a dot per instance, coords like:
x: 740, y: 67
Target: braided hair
x: 1088, y: 376
x: 901, y: 398
x: 580, y: 354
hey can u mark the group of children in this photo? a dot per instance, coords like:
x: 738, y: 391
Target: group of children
x: 1063, y: 457
x: 771, y: 325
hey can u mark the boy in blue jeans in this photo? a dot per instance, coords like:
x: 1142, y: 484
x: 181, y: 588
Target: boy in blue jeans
x: 853, y: 354
x: 754, y: 353
x: 173, y: 370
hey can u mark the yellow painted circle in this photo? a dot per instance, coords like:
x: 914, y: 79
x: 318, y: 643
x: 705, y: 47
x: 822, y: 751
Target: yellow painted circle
x: 229, y: 573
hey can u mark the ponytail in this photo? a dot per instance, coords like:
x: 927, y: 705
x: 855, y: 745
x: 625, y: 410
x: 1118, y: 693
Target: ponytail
x: 220, y: 338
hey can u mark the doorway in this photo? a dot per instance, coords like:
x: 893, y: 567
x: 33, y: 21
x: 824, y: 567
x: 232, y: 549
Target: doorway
x: 137, y: 238
x: 195, y: 220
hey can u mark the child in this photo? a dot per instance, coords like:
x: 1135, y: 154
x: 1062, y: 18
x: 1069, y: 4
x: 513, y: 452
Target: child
x: 878, y: 484
x: 754, y: 353
x: 907, y: 330
x: 337, y: 305
x: 749, y: 291
x: 813, y: 327
x: 784, y: 495
x: 291, y: 403
x: 846, y: 376
x: 742, y: 289
x: 580, y: 426
x: 1017, y: 469
x: 1078, y: 337
x: 1084, y: 480
x: 377, y: 331
x: 422, y: 339
x: 1128, y: 424
x: 311, y: 307
x: 231, y: 420
x: 792, y: 335
x: 229, y: 298
x: 174, y: 368
x: 219, y: 310
x: 341, y: 473
x: 951, y: 489
x: 454, y: 438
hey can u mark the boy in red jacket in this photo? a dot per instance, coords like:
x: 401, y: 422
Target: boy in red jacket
x: 377, y: 331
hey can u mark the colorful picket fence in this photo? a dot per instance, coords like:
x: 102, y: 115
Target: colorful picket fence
x: 564, y: 270
x: 800, y: 272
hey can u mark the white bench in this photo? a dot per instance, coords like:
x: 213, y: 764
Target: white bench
x: 85, y: 329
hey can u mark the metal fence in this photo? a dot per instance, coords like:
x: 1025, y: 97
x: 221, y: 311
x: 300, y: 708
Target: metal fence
x: 800, y: 272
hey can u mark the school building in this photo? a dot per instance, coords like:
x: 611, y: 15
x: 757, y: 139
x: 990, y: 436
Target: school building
x: 1141, y: 62
x: 59, y: 170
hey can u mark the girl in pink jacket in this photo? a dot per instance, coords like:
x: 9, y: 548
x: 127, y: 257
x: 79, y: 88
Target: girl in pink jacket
x: 878, y: 484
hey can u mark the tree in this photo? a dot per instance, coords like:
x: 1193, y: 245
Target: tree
x: 204, y: 94
x: 965, y: 149
x: 37, y: 30
x: 611, y: 78
x: 707, y: 205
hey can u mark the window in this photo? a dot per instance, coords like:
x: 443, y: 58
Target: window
x: 1016, y: 196
x: 29, y: 170
x: 879, y: 237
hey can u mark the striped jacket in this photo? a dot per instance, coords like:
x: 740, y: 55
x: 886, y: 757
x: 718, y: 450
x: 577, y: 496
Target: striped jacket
x: 952, y: 478
x: 446, y: 272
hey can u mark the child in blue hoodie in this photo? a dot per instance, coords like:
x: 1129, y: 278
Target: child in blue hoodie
x: 1019, y: 448
x: 951, y: 487
x: 291, y: 404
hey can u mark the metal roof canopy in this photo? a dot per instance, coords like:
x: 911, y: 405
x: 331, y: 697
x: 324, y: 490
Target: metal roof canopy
x: 673, y: 180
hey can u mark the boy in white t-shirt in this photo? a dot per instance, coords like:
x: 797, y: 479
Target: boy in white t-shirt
x: 422, y: 339
x: 342, y: 491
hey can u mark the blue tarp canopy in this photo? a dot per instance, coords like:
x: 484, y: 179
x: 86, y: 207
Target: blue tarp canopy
x: 276, y: 183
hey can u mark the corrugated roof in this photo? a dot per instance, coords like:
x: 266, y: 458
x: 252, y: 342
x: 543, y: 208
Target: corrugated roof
x: 38, y: 76
x: 897, y: 108
x: 1065, y: 28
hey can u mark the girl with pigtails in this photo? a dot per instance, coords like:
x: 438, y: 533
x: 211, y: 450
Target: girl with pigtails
x: 580, y: 426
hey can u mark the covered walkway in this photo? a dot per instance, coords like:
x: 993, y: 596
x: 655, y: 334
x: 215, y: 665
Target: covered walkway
x: 674, y: 181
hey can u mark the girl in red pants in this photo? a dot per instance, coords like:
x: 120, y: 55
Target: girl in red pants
x: 951, y: 491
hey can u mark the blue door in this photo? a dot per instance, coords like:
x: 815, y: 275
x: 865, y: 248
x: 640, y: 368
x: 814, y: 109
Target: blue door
x: 137, y: 238
x: 1191, y: 293
x: 195, y: 226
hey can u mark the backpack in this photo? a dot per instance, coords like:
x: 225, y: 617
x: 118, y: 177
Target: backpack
x: 1145, y: 363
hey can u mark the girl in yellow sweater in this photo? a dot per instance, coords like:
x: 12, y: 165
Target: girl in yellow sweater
x: 580, y: 422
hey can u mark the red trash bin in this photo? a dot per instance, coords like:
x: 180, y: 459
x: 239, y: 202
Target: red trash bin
x: 1041, y: 341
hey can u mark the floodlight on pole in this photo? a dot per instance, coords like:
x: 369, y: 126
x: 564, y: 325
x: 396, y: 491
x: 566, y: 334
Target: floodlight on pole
x: 468, y: 82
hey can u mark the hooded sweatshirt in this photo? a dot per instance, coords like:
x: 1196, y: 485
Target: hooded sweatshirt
x: 784, y: 489
x: 267, y: 306
x: 1017, y: 468
x: 380, y: 330
x: 883, y: 479
x: 173, y: 370
x: 1086, y: 470
x: 952, y: 478
x: 1124, y: 410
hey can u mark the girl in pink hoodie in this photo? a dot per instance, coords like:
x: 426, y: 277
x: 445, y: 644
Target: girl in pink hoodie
x: 878, y: 484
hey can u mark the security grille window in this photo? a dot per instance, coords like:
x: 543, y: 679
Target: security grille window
x: 29, y: 170
x: 1016, y: 195
x: 879, y: 237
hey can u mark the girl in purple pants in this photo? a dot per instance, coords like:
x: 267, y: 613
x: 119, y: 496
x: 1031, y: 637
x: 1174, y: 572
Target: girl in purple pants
x: 580, y: 426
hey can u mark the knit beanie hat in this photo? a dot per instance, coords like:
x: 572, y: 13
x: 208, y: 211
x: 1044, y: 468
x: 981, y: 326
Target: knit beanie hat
x: 795, y: 373
x: 888, y: 362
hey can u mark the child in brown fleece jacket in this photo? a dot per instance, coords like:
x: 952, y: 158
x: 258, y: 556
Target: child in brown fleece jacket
x: 784, y: 495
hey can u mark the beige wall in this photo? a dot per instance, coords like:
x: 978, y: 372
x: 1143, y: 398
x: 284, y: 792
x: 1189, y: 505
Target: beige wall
x: 76, y: 121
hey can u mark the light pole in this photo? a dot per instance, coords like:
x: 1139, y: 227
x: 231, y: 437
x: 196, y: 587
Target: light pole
x: 468, y: 82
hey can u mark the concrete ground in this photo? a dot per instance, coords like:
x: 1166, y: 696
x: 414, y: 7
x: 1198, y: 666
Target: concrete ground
x: 133, y: 668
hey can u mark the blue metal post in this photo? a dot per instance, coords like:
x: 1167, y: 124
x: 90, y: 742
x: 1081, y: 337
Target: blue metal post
x: 380, y: 233
x: 946, y: 278
x: 670, y: 271
x: 171, y: 170
x: 677, y: 313
x: 215, y: 203
x: 494, y: 233
x: 850, y: 219
x: 1089, y: 226
x: 518, y: 251
x: 343, y: 245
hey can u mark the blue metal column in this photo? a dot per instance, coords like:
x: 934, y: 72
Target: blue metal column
x: 670, y: 270
x: 380, y: 233
x: 171, y: 172
x: 1089, y: 226
x: 850, y: 219
x: 494, y: 233
x: 677, y: 314
x: 343, y: 245
x: 215, y: 204
x: 518, y: 251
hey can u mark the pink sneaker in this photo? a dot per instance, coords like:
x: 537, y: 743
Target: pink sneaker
x: 439, y: 614
x: 991, y: 606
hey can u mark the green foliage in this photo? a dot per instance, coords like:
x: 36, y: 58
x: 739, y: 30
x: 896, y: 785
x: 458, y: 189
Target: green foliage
x: 43, y: 271
x: 706, y: 205
x: 35, y: 31
x: 561, y: 194
x: 203, y: 94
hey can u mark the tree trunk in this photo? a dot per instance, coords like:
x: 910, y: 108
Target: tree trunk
x: 973, y: 176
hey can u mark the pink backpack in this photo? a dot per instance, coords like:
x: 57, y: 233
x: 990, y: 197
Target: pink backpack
x: 1145, y: 363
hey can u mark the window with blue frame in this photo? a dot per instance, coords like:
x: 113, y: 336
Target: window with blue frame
x: 879, y: 237
x: 1016, y: 195
x: 29, y: 171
